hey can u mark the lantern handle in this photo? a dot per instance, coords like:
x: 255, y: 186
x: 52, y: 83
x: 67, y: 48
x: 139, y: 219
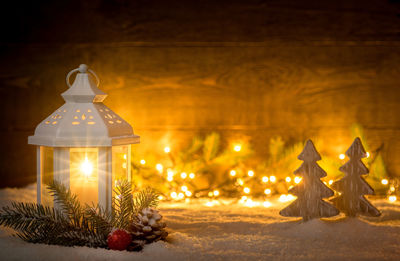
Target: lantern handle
x: 83, y: 68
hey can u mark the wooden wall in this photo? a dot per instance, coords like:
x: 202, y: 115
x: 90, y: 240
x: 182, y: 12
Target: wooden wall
x: 250, y: 70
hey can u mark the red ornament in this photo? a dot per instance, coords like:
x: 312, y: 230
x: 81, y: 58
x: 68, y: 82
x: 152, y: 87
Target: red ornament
x: 119, y: 239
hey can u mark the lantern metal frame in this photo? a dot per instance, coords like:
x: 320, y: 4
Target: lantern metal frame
x: 83, y: 122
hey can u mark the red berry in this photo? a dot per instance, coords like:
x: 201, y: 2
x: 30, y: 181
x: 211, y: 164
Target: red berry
x: 119, y: 239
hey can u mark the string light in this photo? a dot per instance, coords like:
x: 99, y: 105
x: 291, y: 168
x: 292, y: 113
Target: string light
x: 297, y: 180
x: 125, y: 156
x: 237, y: 148
x: 286, y: 198
x: 159, y: 167
x: 174, y: 195
x: 185, y: 192
x: 267, y: 204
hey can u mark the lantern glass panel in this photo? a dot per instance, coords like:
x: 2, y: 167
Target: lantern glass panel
x: 47, y: 174
x: 120, y: 164
x: 84, y: 175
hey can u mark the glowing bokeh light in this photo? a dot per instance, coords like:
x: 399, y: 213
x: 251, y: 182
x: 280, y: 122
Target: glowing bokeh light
x: 250, y: 173
x: 237, y: 148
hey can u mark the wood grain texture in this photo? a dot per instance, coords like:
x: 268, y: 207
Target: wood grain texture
x: 253, y: 70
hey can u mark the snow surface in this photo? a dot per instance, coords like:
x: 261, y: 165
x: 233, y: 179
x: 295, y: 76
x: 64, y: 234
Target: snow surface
x: 231, y: 231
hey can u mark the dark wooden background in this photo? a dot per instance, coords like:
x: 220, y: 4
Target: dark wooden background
x: 250, y: 70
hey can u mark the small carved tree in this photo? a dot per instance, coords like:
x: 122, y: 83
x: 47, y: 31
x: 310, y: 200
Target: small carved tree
x: 352, y: 186
x: 311, y: 190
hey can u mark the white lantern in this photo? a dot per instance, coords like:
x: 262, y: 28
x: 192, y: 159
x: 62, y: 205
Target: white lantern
x: 83, y: 144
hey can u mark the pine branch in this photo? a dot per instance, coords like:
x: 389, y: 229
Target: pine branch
x: 40, y: 224
x: 102, y: 220
x: 145, y: 198
x: 68, y: 202
x: 123, y: 204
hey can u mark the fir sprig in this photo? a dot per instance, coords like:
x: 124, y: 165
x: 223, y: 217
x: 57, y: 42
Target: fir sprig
x: 68, y: 202
x: 145, y: 198
x: 70, y: 224
x: 123, y: 205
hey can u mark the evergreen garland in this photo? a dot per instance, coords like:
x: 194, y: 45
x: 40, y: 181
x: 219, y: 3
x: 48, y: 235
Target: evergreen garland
x: 70, y: 224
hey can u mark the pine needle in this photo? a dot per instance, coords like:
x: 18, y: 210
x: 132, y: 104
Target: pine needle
x: 145, y: 198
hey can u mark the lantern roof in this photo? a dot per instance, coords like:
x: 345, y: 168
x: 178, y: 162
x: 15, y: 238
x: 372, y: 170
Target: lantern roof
x: 83, y: 121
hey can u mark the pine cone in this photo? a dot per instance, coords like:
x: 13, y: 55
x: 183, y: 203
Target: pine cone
x: 148, y: 227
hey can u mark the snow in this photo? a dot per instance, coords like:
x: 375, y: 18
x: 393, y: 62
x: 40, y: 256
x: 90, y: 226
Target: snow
x: 232, y: 231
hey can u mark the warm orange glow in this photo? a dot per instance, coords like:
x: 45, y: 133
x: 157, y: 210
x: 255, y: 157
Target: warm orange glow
x: 288, y: 179
x: 250, y: 173
x: 246, y: 190
x: 86, y: 168
x: 272, y: 179
x: 142, y: 162
x: 342, y: 156
x: 267, y: 191
x: 264, y: 179
x: 183, y: 175
x: 267, y: 204
x: 167, y: 149
x: 191, y: 175
x: 384, y: 181
x: 159, y: 167
x: 232, y: 173
x: 392, y: 198
x: 297, y: 180
x: 237, y: 148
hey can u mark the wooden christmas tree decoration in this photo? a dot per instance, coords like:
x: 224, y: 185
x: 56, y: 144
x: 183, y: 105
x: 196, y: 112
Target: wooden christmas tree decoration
x: 352, y: 186
x: 311, y: 190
